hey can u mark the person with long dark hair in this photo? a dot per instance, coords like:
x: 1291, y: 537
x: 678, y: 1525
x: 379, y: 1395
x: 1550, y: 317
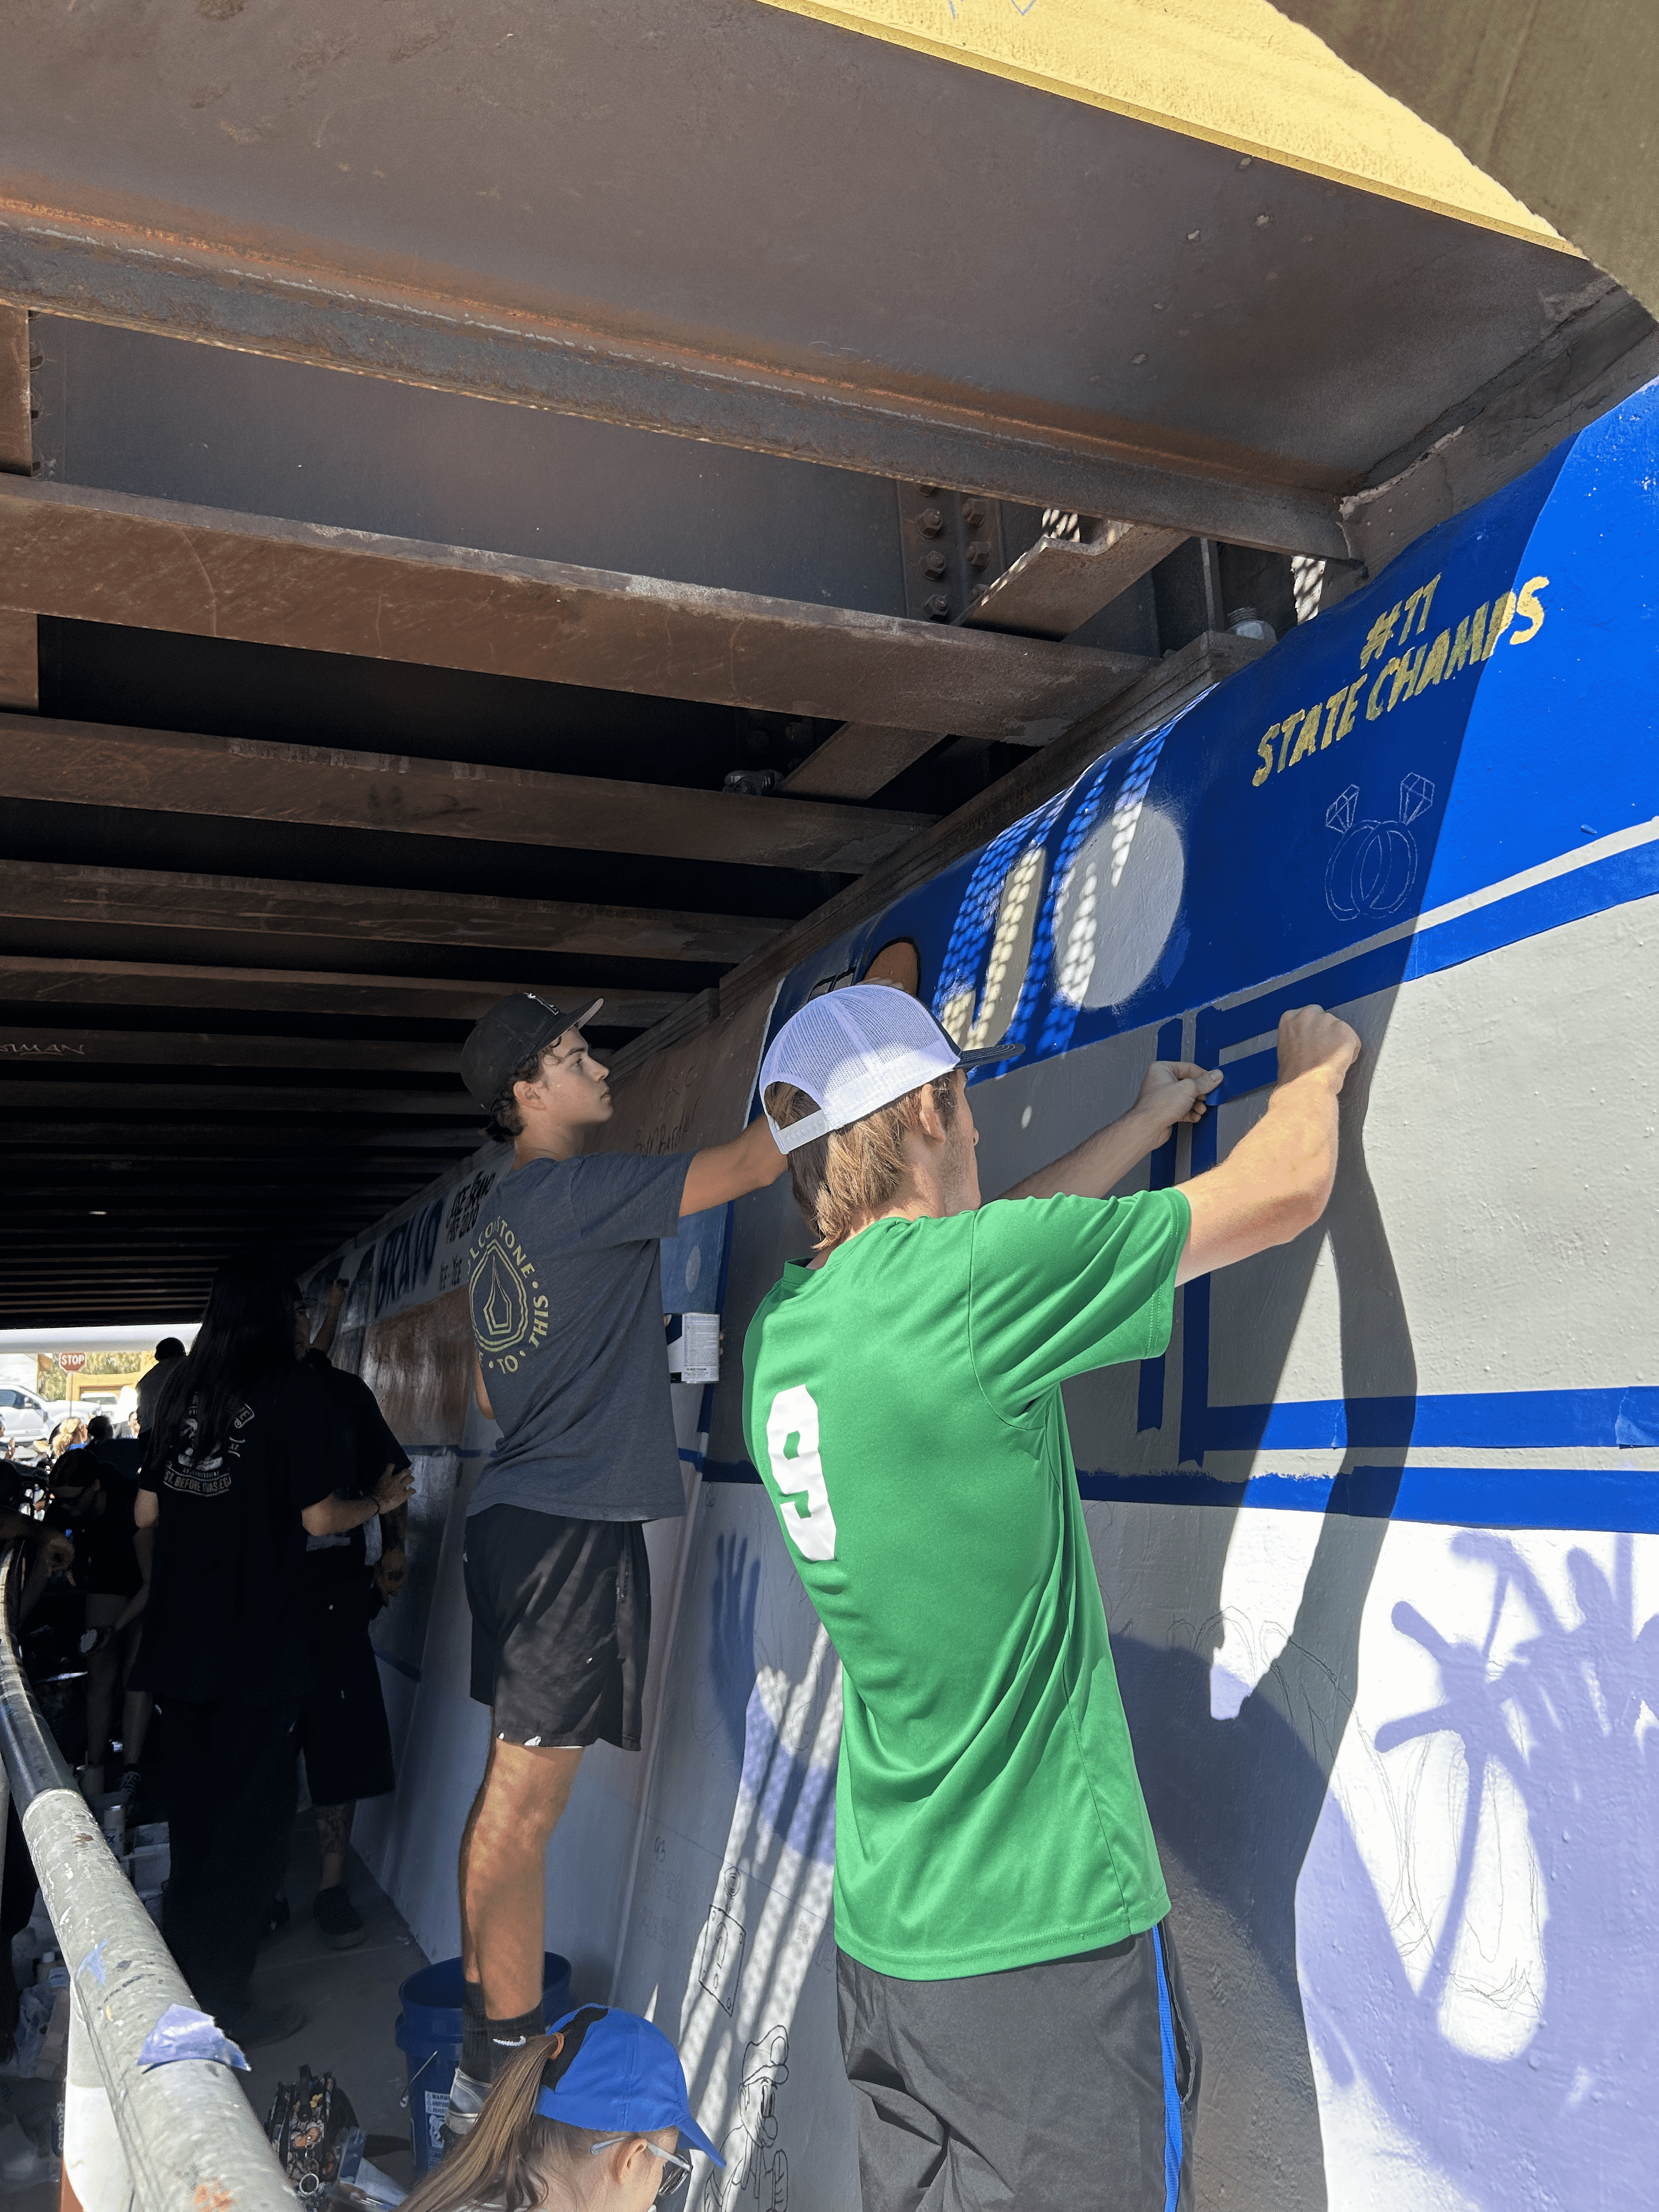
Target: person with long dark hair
x: 245, y: 1461
x: 590, y: 2118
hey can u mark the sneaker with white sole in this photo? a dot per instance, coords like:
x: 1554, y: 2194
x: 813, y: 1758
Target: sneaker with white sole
x: 466, y: 2100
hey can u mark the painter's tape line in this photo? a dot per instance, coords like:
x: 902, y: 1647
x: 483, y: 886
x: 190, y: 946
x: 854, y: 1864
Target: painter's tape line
x: 1240, y: 1077
x: 1614, y: 1500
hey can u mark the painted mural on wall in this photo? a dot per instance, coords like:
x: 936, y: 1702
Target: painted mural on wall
x: 1379, y: 1535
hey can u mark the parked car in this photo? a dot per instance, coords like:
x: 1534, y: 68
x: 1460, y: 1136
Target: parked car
x: 27, y: 1420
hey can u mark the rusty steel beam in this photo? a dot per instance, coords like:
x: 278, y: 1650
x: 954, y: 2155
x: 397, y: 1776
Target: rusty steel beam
x: 300, y: 1102
x: 1059, y: 583
x: 67, y: 1050
x: 1054, y: 588
x: 256, y: 780
x: 110, y: 274
x: 158, y: 564
x: 37, y: 979
x: 155, y: 898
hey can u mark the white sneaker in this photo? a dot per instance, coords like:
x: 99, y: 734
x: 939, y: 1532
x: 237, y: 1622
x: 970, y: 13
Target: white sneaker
x: 466, y: 2098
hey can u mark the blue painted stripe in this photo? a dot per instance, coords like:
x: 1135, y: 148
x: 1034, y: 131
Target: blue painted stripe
x: 1493, y: 1420
x: 1622, y: 1501
x: 1171, y: 2085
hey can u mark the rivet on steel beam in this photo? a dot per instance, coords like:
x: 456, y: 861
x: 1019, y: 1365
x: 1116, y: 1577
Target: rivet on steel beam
x: 932, y: 521
x: 973, y: 516
x: 978, y: 554
x: 938, y: 607
x: 932, y: 564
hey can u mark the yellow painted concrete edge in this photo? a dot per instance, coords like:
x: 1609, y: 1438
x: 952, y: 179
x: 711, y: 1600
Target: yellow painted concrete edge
x: 894, y: 22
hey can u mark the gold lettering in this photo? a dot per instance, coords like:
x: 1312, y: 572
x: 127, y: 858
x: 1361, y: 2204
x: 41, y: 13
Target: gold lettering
x: 1502, y: 615
x: 1410, y: 608
x: 1285, y: 728
x: 1382, y: 630
x: 1460, y: 652
x: 1266, y: 749
x: 1409, y: 665
x: 1372, y: 710
x: 1477, y: 631
x: 1309, y: 738
x: 1527, y: 604
x: 1428, y: 601
x: 1435, y: 667
x: 1346, y: 723
x: 1333, y: 708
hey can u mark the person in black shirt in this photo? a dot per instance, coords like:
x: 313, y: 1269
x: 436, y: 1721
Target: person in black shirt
x: 344, y: 1736
x: 112, y: 1569
x: 246, y: 1456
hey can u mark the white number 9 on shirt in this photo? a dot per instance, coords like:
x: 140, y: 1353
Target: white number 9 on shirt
x: 794, y: 1417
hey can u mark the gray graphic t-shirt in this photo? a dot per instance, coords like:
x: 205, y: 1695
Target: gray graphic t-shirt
x: 563, y: 1275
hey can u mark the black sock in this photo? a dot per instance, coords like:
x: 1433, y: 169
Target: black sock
x: 507, y: 2036
x: 475, y: 2032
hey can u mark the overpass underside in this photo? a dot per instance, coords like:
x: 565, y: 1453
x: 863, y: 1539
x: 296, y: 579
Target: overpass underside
x: 506, y: 504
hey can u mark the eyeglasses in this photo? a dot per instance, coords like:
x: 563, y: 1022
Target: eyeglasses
x: 677, y: 2171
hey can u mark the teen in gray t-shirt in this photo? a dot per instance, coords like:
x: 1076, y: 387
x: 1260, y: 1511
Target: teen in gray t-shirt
x: 567, y: 1322
x: 567, y: 1316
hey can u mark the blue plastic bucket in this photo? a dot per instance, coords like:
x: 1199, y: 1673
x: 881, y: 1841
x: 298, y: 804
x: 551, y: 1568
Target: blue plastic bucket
x: 429, y: 2033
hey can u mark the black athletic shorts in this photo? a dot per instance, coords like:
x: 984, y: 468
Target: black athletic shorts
x: 1068, y: 2087
x: 561, y: 1626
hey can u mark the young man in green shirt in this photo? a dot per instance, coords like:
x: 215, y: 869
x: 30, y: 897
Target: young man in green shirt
x: 1011, y: 2013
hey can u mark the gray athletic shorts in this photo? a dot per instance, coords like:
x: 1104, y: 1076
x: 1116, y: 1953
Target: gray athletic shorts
x: 1068, y: 2087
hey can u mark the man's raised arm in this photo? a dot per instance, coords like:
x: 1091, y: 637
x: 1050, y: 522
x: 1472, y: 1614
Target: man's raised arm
x: 1277, y: 1180
x: 720, y: 1172
x: 1174, y: 1091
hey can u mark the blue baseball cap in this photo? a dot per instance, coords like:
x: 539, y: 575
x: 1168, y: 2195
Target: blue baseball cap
x: 626, y: 2080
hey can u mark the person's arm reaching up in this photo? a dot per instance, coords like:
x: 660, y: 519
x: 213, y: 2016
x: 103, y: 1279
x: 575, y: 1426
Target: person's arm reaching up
x: 1173, y: 1091
x: 1277, y: 1180
x: 720, y: 1172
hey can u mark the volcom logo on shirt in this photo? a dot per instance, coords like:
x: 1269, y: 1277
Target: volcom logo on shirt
x: 509, y: 1306
x: 793, y: 1421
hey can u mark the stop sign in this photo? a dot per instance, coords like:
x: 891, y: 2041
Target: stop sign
x: 71, y: 1362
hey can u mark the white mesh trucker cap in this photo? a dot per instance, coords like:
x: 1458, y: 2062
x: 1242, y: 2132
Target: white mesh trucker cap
x: 855, y: 1049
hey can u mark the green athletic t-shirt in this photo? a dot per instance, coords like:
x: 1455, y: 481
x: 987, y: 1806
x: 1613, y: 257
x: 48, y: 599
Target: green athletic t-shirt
x: 902, y: 1406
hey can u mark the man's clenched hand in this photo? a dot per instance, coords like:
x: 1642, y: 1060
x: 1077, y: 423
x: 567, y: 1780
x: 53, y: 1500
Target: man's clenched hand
x: 1175, y: 1090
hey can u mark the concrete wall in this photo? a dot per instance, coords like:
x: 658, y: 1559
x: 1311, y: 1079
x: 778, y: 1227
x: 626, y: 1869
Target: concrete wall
x: 1376, y: 1537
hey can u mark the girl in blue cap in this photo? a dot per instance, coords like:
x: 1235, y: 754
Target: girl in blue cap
x: 591, y: 2116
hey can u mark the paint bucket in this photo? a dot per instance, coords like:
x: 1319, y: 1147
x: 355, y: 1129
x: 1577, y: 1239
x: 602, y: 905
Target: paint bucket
x: 429, y: 2033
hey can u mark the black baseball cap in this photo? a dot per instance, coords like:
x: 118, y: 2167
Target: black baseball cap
x: 511, y: 1032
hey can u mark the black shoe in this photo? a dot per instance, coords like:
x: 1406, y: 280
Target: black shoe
x: 339, y: 1917
x: 262, y: 2024
x: 276, y: 1916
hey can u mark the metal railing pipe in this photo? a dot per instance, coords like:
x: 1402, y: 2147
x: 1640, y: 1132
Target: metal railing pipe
x: 189, y: 2135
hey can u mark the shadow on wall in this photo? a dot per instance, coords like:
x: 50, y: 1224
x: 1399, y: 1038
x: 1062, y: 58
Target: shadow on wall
x: 1237, y: 1801
x: 769, y: 1920
x: 1548, y: 2100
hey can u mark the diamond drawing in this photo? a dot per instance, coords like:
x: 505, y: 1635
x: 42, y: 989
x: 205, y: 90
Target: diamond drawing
x: 1340, y: 814
x: 1416, y: 794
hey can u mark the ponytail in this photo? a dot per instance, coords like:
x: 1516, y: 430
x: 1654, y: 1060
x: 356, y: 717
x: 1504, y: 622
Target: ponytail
x: 511, y: 2157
